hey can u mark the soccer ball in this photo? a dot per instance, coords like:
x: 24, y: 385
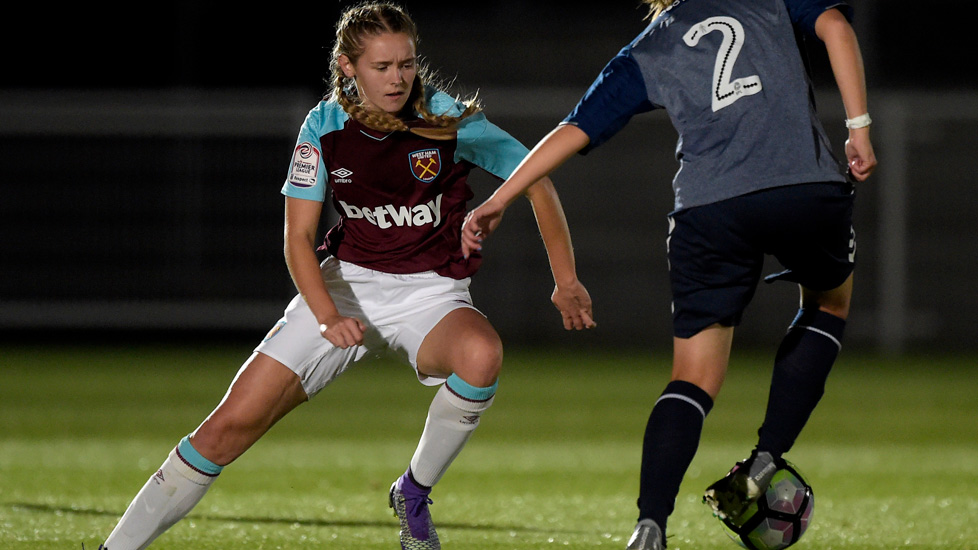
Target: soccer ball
x: 779, y: 518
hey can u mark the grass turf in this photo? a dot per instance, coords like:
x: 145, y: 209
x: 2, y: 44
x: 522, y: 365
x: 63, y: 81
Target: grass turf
x: 892, y: 452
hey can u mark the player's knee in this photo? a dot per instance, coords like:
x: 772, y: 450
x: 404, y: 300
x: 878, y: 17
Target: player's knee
x: 837, y: 305
x: 839, y: 310
x: 481, y: 361
x: 834, y: 302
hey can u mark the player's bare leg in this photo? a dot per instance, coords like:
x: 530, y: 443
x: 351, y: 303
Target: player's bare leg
x: 464, y: 343
x: 835, y: 302
x: 262, y: 392
x: 702, y: 359
x: 464, y: 348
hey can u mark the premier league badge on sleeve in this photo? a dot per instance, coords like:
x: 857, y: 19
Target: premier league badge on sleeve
x: 305, y: 166
x: 425, y: 164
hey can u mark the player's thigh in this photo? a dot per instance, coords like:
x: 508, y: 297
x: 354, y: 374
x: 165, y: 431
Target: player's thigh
x: 263, y: 391
x: 463, y: 343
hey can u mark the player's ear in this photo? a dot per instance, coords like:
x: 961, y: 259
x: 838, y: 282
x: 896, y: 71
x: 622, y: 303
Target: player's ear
x: 346, y: 66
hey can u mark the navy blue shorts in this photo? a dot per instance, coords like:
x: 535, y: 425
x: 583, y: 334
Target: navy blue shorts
x: 716, y: 251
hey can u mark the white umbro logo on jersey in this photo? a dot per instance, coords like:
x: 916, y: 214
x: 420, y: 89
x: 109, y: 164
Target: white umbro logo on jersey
x: 342, y: 173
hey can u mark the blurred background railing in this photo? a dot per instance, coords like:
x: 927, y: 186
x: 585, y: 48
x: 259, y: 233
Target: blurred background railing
x: 145, y: 197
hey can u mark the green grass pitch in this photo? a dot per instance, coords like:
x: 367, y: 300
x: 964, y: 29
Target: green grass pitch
x: 892, y: 452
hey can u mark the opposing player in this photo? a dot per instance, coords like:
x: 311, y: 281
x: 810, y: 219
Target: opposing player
x: 395, y: 153
x: 757, y: 176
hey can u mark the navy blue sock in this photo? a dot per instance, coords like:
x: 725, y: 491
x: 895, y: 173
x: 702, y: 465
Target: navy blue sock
x: 671, y: 439
x: 802, y: 365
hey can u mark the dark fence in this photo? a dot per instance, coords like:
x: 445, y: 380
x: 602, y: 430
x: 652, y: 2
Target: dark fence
x: 161, y: 210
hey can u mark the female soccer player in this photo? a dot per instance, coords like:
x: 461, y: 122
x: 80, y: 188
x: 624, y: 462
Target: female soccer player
x: 757, y: 176
x: 395, y: 153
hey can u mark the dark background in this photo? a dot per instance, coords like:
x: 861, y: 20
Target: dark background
x: 142, y: 149
x: 223, y: 44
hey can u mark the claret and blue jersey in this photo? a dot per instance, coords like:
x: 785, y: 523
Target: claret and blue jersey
x: 401, y: 198
x: 732, y: 79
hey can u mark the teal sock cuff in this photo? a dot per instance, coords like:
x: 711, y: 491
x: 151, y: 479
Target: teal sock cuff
x: 195, y: 459
x: 468, y: 391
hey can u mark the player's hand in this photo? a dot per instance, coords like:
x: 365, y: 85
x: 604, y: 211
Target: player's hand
x: 574, y: 304
x: 479, y: 224
x: 859, y: 153
x: 343, y: 332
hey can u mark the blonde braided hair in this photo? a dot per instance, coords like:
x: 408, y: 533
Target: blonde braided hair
x: 372, y: 19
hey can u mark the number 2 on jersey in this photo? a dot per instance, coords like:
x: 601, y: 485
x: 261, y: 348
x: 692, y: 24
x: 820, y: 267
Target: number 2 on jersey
x: 725, y: 90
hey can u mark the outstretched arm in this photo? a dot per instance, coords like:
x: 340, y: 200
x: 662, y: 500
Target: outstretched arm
x: 847, y: 67
x: 570, y: 296
x: 551, y: 152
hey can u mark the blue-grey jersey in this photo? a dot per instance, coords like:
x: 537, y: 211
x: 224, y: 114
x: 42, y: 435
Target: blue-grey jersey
x: 732, y: 79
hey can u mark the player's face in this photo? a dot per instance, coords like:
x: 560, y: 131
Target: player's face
x: 384, y: 72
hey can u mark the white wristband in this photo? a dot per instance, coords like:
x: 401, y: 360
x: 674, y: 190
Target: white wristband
x: 860, y: 121
x: 322, y: 328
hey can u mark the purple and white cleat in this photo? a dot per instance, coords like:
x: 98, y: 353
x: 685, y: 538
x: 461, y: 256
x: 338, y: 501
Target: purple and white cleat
x: 410, y: 504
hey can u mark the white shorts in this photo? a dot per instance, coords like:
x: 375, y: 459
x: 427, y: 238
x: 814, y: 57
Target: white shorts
x: 399, y: 311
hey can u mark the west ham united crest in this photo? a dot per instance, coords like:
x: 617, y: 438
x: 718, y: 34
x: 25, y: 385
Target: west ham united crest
x: 425, y: 164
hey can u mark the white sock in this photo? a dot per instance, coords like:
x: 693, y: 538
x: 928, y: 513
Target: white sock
x: 165, y: 499
x: 452, y: 417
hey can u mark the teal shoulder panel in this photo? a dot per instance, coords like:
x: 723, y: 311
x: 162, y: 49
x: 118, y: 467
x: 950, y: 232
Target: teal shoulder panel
x: 306, y: 174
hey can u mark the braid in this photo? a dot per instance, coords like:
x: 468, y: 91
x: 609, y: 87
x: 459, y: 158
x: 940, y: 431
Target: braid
x: 383, y: 121
x: 444, y: 125
x: 372, y: 19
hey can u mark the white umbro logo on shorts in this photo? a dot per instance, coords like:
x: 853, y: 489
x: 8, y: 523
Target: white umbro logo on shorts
x: 342, y: 173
